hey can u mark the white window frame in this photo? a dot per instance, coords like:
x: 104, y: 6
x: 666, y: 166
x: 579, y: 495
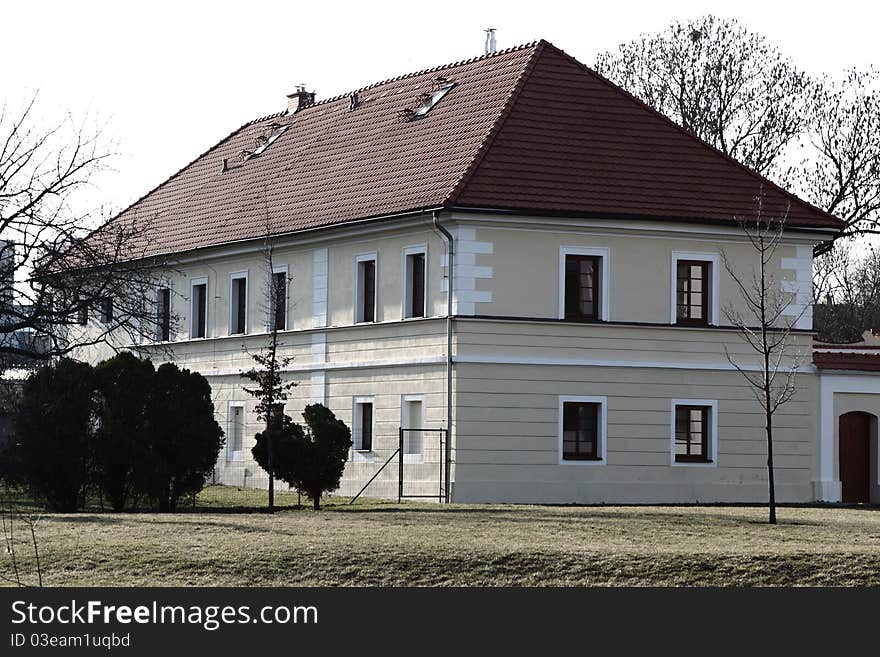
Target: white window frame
x: 714, y: 260
x: 158, y: 288
x: 234, y: 456
x: 357, y: 453
x: 404, y: 399
x: 199, y: 280
x: 602, y: 252
x: 406, y: 278
x: 713, y: 433
x: 237, y: 276
x: 358, y: 286
x: 603, y: 428
x: 280, y: 269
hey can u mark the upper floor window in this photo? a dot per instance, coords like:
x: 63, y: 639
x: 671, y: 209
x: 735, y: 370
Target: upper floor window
x: 278, y: 299
x: 106, y: 307
x: 692, y: 292
x: 238, y: 303
x: 694, y: 288
x: 583, y: 283
x: 198, y: 322
x: 694, y: 431
x: 163, y: 314
x: 365, y: 288
x: 82, y: 313
x: 414, y: 279
x: 581, y: 429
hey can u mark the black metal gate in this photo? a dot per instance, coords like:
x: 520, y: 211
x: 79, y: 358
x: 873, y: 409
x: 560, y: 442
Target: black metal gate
x: 438, y: 436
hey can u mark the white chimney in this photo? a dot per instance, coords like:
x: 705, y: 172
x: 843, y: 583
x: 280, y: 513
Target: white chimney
x: 490, y: 40
x: 299, y: 99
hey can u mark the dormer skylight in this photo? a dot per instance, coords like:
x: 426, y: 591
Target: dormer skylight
x: 264, y: 141
x: 431, y: 99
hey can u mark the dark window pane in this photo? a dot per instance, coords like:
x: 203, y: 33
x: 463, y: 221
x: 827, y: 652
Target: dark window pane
x: 692, y: 292
x: 279, y: 301
x: 417, y: 300
x: 200, y: 299
x: 366, y: 426
x: 581, y: 287
x: 239, y: 305
x: 580, y: 431
x: 692, y: 433
x: 368, y: 269
x: 163, y: 319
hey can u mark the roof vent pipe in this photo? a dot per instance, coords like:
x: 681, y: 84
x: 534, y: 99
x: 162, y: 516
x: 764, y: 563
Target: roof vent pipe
x: 490, y: 40
x: 299, y: 99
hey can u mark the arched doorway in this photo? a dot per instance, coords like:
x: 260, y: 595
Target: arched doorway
x: 854, y: 437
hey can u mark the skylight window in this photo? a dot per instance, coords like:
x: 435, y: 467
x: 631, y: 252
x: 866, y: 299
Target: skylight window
x: 432, y: 99
x: 265, y: 141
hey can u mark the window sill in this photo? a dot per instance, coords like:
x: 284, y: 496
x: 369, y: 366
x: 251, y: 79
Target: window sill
x: 363, y: 456
x: 694, y: 464
x: 596, y: 461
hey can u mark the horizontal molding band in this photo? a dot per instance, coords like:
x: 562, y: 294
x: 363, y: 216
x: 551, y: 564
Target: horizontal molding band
x: 319, y: 367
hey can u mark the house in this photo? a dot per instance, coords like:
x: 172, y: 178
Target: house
x: 511, y: 248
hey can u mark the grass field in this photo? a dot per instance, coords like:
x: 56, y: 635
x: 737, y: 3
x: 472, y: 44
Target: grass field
x: 385, y: 544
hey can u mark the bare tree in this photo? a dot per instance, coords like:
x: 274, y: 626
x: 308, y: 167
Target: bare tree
x: 841, y: 173
x: 68, y: 279
x: 846, y: 290
x: 765, y: 323
x: 727, y: 85
x: 270, y: 389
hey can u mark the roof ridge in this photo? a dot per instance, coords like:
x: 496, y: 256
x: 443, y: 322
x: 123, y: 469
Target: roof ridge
x: 404, y: 76
x: 761, y: 178
x: 497, y: 123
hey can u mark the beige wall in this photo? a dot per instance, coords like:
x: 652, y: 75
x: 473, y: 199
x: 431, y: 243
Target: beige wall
x: 507, y: 437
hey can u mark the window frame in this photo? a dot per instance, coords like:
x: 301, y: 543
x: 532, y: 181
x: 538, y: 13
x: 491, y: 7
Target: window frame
x: 359, y: 284
x: 711, y: 440
x: 233, y: 311
x: 356, y: 424
x: 404, y: 400
x: 235, y: 456
x: 714, y: 260
x: 406, y: 310
x: 193, y: 282
x: 159, y: 325
x: 601, y: 434
x: 280, y: 269
x: 604, y: 293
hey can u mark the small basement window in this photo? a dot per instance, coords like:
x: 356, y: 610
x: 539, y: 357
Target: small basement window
x: 432, y: 100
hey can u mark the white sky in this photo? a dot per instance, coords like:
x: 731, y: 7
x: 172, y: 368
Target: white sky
x: 169, y: 79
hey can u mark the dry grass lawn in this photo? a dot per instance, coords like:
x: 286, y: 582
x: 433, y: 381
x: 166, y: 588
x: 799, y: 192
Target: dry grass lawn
x: 383, y: 544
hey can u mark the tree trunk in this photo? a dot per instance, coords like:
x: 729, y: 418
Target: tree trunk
x: 770, y: 478
x: 316, y: 502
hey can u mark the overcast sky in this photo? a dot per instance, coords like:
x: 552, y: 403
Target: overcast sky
x: 169, y: 79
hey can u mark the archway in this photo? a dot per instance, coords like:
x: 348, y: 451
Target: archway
x: 854, y: 450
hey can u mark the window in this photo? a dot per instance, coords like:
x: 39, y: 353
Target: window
x: 694, y: 431
x: 163, y: 314
x: 363, y: 425
x: 365, y: 288
x: 583, y: 283
x: 106, y: 308
x: 412, y: 421
x: 581, y: 287
x: 431, y: 99
x: 82, y: 313
x: 414, y: 282
x: 235, y: 442
x: 278, y: 305
x: 692, y: 292
x: 198, y: 308
x: 694, y: 299
x: 238, y: 303
x: 581, y: 430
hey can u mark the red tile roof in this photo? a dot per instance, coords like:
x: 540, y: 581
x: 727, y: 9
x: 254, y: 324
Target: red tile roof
x: 526, y: 129
x: 825, y: 360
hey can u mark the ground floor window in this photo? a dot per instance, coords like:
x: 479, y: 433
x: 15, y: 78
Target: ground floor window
x: 581, y: 430
x: 235, y: 432
x: 363, y: 424
x: 693, y: 431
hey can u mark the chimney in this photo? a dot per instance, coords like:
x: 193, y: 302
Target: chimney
x: 299, y: 99
x: 490, y: 40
